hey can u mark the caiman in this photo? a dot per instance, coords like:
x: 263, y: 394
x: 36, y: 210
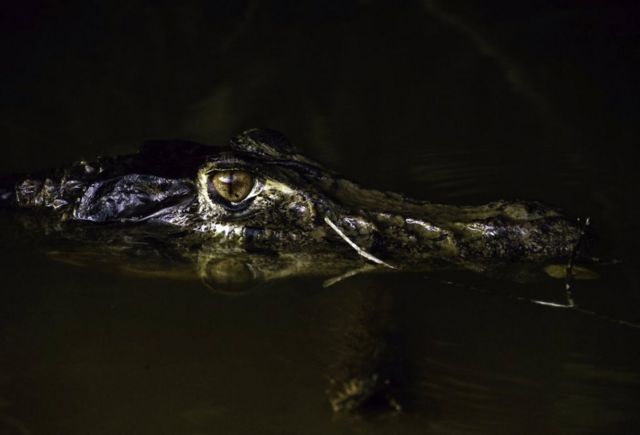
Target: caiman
x: 257, y: 209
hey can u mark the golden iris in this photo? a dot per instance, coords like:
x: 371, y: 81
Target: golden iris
x: 233, y: 186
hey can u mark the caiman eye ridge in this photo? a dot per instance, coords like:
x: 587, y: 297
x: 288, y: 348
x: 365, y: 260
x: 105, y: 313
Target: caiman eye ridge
x: 231, y: 187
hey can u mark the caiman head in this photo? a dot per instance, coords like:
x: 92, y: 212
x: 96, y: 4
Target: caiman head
x: 258, y: 194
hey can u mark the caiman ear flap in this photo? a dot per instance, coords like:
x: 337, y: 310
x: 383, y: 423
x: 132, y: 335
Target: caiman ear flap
x: 270, y: 144
x: 264, y: 142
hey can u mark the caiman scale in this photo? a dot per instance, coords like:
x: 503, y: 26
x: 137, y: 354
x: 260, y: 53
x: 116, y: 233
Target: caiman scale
x: 219, y: 206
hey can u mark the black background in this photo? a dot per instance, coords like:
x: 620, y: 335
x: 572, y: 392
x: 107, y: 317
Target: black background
x: 452, y: 101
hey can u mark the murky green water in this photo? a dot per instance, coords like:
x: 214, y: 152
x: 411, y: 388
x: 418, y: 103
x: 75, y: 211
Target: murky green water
x: 453, y: 104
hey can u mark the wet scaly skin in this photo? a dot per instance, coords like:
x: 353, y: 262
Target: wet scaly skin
x: 299, y: 217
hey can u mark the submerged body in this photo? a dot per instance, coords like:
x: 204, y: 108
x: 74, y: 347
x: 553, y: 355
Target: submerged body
x: 259, y: 195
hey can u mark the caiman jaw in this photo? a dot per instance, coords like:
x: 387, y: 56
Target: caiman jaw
x: 501, y: 231
x: 260, y: 194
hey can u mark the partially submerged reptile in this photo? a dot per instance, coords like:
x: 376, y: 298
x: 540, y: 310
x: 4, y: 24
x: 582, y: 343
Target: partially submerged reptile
x: 256, y: 210
x: 216, y: 207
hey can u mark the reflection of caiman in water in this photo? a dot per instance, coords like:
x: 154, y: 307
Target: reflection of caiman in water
x: 258, y: 210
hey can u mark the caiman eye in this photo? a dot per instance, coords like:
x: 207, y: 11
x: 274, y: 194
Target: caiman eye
x: 233, y: 186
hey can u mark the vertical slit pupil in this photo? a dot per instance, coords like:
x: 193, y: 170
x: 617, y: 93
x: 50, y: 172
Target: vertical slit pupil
x: 233, y: 186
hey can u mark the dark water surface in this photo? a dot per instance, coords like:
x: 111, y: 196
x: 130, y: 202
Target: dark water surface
x: 449, y: 102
